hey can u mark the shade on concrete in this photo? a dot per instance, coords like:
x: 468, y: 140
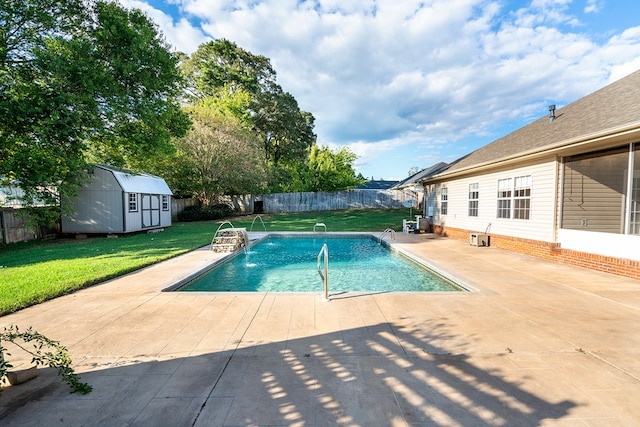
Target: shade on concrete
x: 534, y: 343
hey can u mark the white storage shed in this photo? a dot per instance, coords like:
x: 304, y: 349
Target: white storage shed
x: 119, y: 201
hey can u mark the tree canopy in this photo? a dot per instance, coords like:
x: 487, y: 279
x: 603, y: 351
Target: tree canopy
x: 90, y: 81
x: 219, y: 155
x: 221, y: 67
x: 325, y: 170
x: 81, y: 80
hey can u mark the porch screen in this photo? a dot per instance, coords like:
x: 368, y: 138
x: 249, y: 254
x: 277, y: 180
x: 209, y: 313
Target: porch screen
x: 594, y: 191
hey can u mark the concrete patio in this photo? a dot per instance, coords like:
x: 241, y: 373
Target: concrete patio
x: 534, y: 343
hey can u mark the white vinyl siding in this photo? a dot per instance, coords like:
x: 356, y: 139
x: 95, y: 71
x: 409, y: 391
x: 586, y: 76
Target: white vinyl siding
x: 540, y: 225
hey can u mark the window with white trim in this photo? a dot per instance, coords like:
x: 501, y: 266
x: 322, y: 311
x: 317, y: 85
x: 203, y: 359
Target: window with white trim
x: 444, y: 200
x: 133, y: 202
x: 522, y: 197
x: 165, y: 203
x: 474, y: 195
x: 504, y: 198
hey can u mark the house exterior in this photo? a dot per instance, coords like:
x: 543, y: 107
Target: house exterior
x: 118, y: 201
x: 565, y: 187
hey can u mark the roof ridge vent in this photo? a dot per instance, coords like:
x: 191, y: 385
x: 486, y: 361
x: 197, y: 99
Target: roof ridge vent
x: 552, y: 112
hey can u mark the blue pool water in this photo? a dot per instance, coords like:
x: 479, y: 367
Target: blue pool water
x: 289, y: 264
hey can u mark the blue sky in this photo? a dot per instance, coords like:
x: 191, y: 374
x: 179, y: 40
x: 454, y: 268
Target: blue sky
x: 409, y: 83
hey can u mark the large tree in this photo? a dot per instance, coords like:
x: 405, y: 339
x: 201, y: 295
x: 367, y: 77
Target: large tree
x: 222, y: 63
x: 81, y: 78
x: 219, y: 155
x: 286, y: 131
x: 325, y: 170
x: 221, y: 66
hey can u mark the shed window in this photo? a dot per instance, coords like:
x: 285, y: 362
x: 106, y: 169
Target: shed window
x: 133, y: 202
x: 474, y: 194
x: 165, y: 203
x: 444, y: 200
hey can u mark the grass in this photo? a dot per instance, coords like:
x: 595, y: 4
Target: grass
x: 347, y: 220
x: 33, y: 272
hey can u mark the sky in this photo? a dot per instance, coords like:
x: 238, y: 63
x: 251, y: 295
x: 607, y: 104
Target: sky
x: 405, y: 83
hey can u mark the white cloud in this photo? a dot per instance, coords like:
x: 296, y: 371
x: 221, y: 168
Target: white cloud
x: 593, y: 6
x: 384, y: 74
x: 181, y: 35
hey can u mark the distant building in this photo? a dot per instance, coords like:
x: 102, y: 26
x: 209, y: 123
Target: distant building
x: 10, y: 196
x: 377, y: 185
x: 119, y: 201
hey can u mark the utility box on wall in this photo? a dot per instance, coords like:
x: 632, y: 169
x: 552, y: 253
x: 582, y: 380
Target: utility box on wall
x: 477, y: 239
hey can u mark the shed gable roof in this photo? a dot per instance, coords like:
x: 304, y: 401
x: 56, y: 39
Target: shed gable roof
x: 138, y: 182
x: 614, y: 106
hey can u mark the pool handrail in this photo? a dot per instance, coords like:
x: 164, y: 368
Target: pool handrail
x: 388, y: 230
x: 325, y: 277
x: 319, y: 224
x: 216, y: 233
x: 254, y: 220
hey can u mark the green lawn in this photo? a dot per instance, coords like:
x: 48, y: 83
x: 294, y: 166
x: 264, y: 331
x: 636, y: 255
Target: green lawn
x: 34, y: 272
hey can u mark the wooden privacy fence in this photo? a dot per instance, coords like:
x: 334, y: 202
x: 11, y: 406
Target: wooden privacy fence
x: 178, y: 205
x: 322, y: 201
x: 13, y: 228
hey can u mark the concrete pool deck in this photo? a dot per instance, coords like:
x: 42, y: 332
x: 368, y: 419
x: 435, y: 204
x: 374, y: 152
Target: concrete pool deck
x: 535, y: 343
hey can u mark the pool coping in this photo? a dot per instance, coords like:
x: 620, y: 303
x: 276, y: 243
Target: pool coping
x: 463, y: 286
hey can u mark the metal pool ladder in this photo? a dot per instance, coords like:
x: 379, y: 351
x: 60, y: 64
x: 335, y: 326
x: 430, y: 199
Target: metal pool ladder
x: 325, y: 277
x: 319, y: 224
x: 388, y: 230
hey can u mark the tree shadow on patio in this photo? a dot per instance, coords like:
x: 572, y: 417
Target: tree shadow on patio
x: 384, y: 374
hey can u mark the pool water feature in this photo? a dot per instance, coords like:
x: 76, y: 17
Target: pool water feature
x: 281, y: 263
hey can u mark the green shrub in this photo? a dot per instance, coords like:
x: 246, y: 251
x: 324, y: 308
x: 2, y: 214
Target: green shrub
x: 56, y: 357
x: 205, y: 213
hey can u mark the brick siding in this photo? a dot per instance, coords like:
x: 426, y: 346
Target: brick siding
x: 553, y: 252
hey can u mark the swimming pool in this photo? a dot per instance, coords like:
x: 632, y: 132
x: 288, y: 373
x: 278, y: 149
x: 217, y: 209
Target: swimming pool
x: 286, y: 263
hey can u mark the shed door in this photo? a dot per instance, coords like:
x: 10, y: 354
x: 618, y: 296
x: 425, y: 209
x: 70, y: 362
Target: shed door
x: 150, y: 210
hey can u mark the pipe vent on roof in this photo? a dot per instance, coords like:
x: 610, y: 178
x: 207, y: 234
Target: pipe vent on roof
x: 552, y: 112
